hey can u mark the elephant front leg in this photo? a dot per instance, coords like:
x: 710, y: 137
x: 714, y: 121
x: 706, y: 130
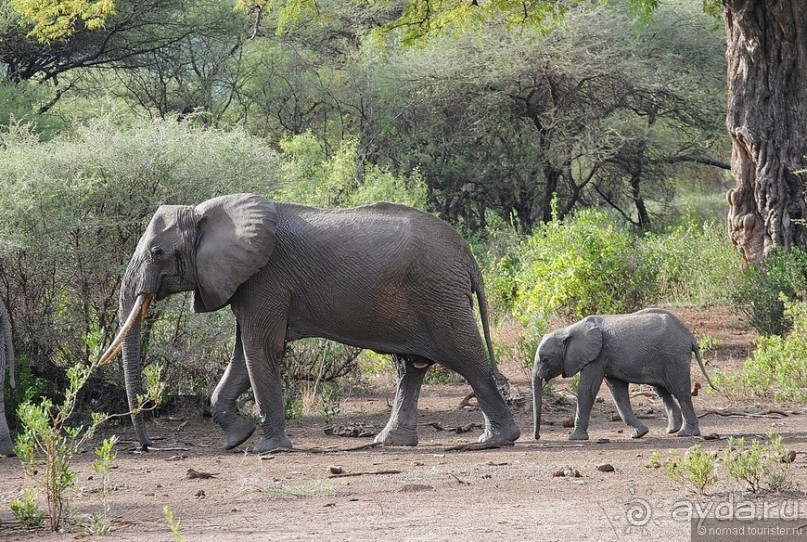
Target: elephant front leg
x: 619, y: 391
x: 401, y: 429
x: 233, y: 383
x: 263, y: 365
x: 589, y: 385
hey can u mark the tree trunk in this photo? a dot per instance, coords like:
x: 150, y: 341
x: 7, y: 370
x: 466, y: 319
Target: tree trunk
x: 767, y: 121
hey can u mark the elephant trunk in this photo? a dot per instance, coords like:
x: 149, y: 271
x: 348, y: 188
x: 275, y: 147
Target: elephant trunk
x: 132, y: 311
x: 537, y: 399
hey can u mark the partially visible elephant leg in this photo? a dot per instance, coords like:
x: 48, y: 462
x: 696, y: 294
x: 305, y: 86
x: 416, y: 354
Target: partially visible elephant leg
x: 401, y: 429
x: 690, y: 427
x: 233, y: 383
x: 264, y: 358
x: 499, y: 424
x: 674, y: 420
x: 6, y: 444
x: 590, y: 382
x: 621, y: 395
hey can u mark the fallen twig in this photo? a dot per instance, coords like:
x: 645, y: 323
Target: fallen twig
x: 480, y: 446
x: 367, y: 446
x: 367, y: 473
x: 741, y: 414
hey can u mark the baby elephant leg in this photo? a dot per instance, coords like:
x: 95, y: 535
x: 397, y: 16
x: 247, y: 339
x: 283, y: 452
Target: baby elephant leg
x: 674, y: 420
x: 619, y: 390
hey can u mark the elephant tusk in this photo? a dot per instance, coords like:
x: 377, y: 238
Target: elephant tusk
x: 139, y: 311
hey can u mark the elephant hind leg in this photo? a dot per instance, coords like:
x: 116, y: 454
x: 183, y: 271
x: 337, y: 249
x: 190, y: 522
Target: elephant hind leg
x: 690, y: 426
x: 401, y: 429
x: 619, y: 391
x: 674, y: 420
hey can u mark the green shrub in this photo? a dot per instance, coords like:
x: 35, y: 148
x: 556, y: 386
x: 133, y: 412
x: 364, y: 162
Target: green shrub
x: 74, y: 208
x: 690, y: 263
x: 697, y: 468
x: 778, y: 366
x: 764, y: 287
x: 759, y: 467
x: 587, y: 264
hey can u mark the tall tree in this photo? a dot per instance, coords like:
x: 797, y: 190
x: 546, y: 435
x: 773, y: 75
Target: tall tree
x: 767, y: 121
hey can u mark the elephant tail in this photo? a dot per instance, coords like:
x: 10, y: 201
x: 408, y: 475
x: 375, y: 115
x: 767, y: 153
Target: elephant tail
x: 478, y: 287
x: 697, y: 352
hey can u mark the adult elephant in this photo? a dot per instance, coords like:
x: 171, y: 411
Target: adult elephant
x: 384, y: 277
x: 6, y: 362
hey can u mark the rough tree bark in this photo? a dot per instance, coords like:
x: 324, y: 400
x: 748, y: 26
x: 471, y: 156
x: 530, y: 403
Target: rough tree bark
x: 767, y: 121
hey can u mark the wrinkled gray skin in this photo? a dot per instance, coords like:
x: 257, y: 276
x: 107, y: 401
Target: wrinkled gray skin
x: 383, y: 277
x: 650, y: 346
x: 6, y: 362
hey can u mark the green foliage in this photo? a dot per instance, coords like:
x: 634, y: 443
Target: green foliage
x: 777, y: 368
x: 26, y: 509
x: 764, y: 288
x: 697, y: 468
x: 75, y: 206
x: 105, y: 455
x: 759, y: 467
x: 585, y: 265
x: 594, y: 263
x: 48, y: 443
x: 332, y: 395
x: 339, y: 181
x: 53, y: 20
x: 174, y: 523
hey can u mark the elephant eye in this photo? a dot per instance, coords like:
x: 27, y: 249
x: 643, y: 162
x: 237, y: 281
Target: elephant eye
x: 157, y: 254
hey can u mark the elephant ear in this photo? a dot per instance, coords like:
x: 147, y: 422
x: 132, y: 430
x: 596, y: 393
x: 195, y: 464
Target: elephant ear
x: 583, y: 345
x: 235, y: 236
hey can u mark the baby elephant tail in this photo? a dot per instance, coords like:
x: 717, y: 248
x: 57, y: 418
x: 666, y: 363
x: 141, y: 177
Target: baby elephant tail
x: 697, y: 351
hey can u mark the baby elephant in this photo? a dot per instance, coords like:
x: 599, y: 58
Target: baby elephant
x: 650, y: 346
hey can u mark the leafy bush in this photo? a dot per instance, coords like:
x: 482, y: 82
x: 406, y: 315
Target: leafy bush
x: 764, y: 288
x: 691, y: 263
x: 759, y: 467
x: 586, y: 265
x: 74, y: 208
x: 778, y: 366
x: 594, y: 262
x: 697, y: 468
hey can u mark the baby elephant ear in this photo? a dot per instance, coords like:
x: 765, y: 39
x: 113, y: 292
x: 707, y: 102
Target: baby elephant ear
x: 235, y: 236
x: 583, y: 345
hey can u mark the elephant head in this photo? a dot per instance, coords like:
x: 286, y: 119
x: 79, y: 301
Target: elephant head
x: 563, y: 352
x: 210, y: 249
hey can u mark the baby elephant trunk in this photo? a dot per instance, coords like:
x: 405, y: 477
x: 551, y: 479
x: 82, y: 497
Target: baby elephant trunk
x: 537, y: 398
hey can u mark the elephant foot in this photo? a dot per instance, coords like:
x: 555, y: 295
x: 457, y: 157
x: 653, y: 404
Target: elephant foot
x: 579, y: 435
x: 639, y: 432
x: 7, y: 450
x: 237, y: 432
x: 689, y: 431
x: 673, y: 428
x: 400, y: 437
x: 280, y: 442
x: 501, y: 434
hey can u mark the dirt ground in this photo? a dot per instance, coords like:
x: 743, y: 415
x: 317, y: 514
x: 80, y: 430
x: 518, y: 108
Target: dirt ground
x: 429, y: 492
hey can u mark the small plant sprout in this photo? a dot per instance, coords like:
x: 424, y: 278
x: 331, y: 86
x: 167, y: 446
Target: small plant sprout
x: 174, y: 523
x: 47, y: 444
x: 26, y: 510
